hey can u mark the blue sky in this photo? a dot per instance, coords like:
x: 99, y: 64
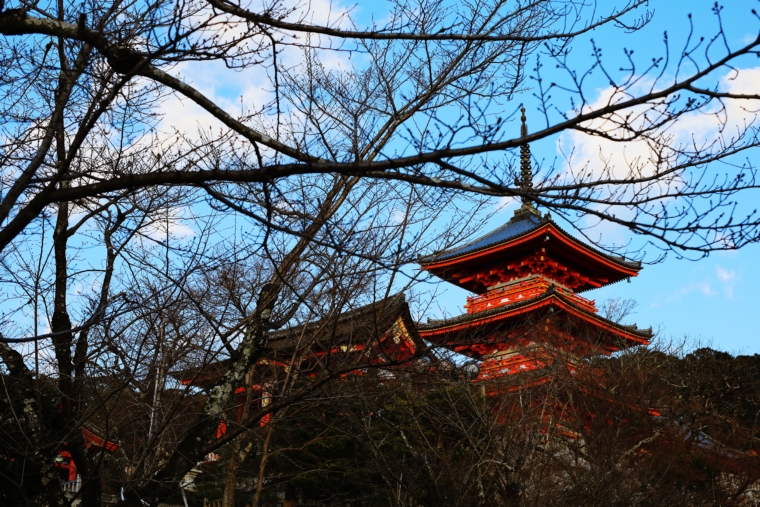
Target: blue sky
x: 713, y: 300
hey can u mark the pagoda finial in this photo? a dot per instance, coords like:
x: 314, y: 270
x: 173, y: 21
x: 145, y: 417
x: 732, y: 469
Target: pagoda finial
x: 525, y: 183
x: 526, y: 172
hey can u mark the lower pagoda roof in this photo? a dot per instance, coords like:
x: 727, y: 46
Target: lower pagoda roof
x: 551, y: 300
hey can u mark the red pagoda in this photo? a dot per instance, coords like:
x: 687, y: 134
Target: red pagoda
x: 527, y: 311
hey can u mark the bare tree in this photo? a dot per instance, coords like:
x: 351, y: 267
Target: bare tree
x: 424, y: 86
x: 300, y: 208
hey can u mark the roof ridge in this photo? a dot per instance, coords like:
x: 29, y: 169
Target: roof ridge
x: 527, y: 217
x: 387, y: 305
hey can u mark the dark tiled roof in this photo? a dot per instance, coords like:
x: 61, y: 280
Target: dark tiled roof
x: 473, y: 317
x: 359, y: 323
x: 382, y: 313
x: 511, y: 229
x: 377, y: 317
x: 518, y: 226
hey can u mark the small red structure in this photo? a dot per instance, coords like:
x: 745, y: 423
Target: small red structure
x: 65, y: 462
x: 379, y: 333
x: 527, y: 311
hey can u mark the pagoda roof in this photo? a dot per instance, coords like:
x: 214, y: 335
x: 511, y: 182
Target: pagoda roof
x: 361, y: 322
x: 550, y: 298
x: 516, y: 228
x: 355, y: 327
x: 510, y: 230
x: 525, y: 230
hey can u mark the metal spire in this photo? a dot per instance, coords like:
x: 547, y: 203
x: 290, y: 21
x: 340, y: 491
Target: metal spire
x: 525, y: 183
x: 526, y: 172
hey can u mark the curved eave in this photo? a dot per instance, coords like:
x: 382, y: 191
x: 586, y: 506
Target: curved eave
x: 548, y: 298
x: 497, y: 236
x: 623, y: 268
x: 381, y: 314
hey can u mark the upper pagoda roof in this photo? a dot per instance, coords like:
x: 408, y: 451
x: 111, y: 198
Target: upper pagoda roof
x: 525, y: 232
x: 516, y: 228
x: 506, y: 232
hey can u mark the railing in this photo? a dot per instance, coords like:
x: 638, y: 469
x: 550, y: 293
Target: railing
x: 522, y: 290
x: 506, y: 295
x: 588, y: 304
x: 72, y: 486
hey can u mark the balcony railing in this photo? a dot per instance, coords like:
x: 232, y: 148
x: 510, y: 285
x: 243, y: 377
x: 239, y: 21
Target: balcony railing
x: 72, y: 486
x: 522, y: 290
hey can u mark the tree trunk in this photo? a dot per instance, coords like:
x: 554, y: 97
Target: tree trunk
x: 240, y: 448
x: 230, y: 480
x: 262, y: 466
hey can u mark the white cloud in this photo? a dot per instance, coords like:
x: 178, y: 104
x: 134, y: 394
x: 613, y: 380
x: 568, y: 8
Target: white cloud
x: 723, y: 283
x: 728, y: 279
x: 178, y: 229
x: 699, y: 127
x: 703, y: 287
x: 248, y: 90
x: 506, y: 203
x: 725, y: 275
x: 597, y: 157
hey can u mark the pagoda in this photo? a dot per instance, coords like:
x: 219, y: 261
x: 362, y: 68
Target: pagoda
x: 527, y: 311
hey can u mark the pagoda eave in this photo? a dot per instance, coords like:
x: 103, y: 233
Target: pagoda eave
x: 550, y: 300
x: 474, y: 267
